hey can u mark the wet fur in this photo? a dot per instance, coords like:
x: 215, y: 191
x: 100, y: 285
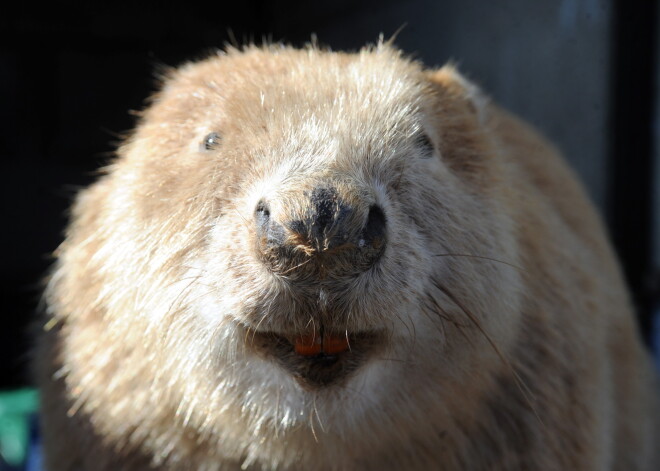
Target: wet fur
x: 509, y: 337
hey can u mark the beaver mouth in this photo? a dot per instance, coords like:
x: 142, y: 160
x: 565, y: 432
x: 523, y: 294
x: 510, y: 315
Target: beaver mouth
x: 318, y: 359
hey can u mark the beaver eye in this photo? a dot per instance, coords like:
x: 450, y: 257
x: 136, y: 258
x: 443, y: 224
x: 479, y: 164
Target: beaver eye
x: 424, y: 143
x: 211, y: 141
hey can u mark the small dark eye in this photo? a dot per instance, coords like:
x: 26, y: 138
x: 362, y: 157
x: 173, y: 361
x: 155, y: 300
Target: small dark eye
x: 211, y: 141
x: 423, y: 141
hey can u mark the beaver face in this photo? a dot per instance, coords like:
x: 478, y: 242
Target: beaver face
x: 304, y: 205
x: 263, y: 250
x: 323, y: 206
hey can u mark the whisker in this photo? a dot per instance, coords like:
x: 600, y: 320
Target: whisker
x: 442, y: 313
x: 522, y: 387
x: 412, y: 332
x: 318, y: 417
x: 256, y: 329
x: 169, y: 317
x: 185, y: 278
x: 311, y: 425
x: 439, y: 311
x: 480, y: 257
x: 277, y: 413
x: 392, y: 360
x: 245, y: 221
x: 286, y: 272
x: 439, y: 327
x: 248, y: 328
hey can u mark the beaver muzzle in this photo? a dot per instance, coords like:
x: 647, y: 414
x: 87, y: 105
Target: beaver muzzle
x: 317, y: 359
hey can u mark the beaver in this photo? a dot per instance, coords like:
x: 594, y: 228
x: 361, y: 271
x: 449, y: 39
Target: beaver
x: 304, y: 259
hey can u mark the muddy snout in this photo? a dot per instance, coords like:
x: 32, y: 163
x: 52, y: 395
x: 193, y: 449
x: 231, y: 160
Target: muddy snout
x: 320, y: 232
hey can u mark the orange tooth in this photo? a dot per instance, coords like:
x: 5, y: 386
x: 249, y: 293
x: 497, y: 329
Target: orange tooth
x: 335, y: 344
x: 308, y: 345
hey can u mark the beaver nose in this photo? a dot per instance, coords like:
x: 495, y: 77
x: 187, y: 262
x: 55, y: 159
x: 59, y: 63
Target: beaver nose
x: 326, y: 223
x: 329, y: 228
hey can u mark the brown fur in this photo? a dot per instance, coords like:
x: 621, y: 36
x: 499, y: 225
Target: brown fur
x: 505, y: 337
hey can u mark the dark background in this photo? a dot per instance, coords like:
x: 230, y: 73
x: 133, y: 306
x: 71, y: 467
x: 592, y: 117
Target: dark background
x: 581, y: 70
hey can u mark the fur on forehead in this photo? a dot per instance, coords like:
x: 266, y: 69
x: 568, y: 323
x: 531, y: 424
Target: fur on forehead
x: 233, y: 88
x: 380, y: 68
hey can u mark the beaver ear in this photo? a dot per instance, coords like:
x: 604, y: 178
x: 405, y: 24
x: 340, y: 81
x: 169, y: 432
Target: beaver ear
x: 457, y: 111
x: 454, y: 86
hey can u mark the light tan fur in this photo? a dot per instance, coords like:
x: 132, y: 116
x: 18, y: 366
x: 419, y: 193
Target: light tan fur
x: 508, y: 337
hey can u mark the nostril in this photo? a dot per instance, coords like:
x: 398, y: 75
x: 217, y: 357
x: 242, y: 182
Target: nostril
x: 262, y: 213
x: 375, y: 227
x: 270, y: 233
